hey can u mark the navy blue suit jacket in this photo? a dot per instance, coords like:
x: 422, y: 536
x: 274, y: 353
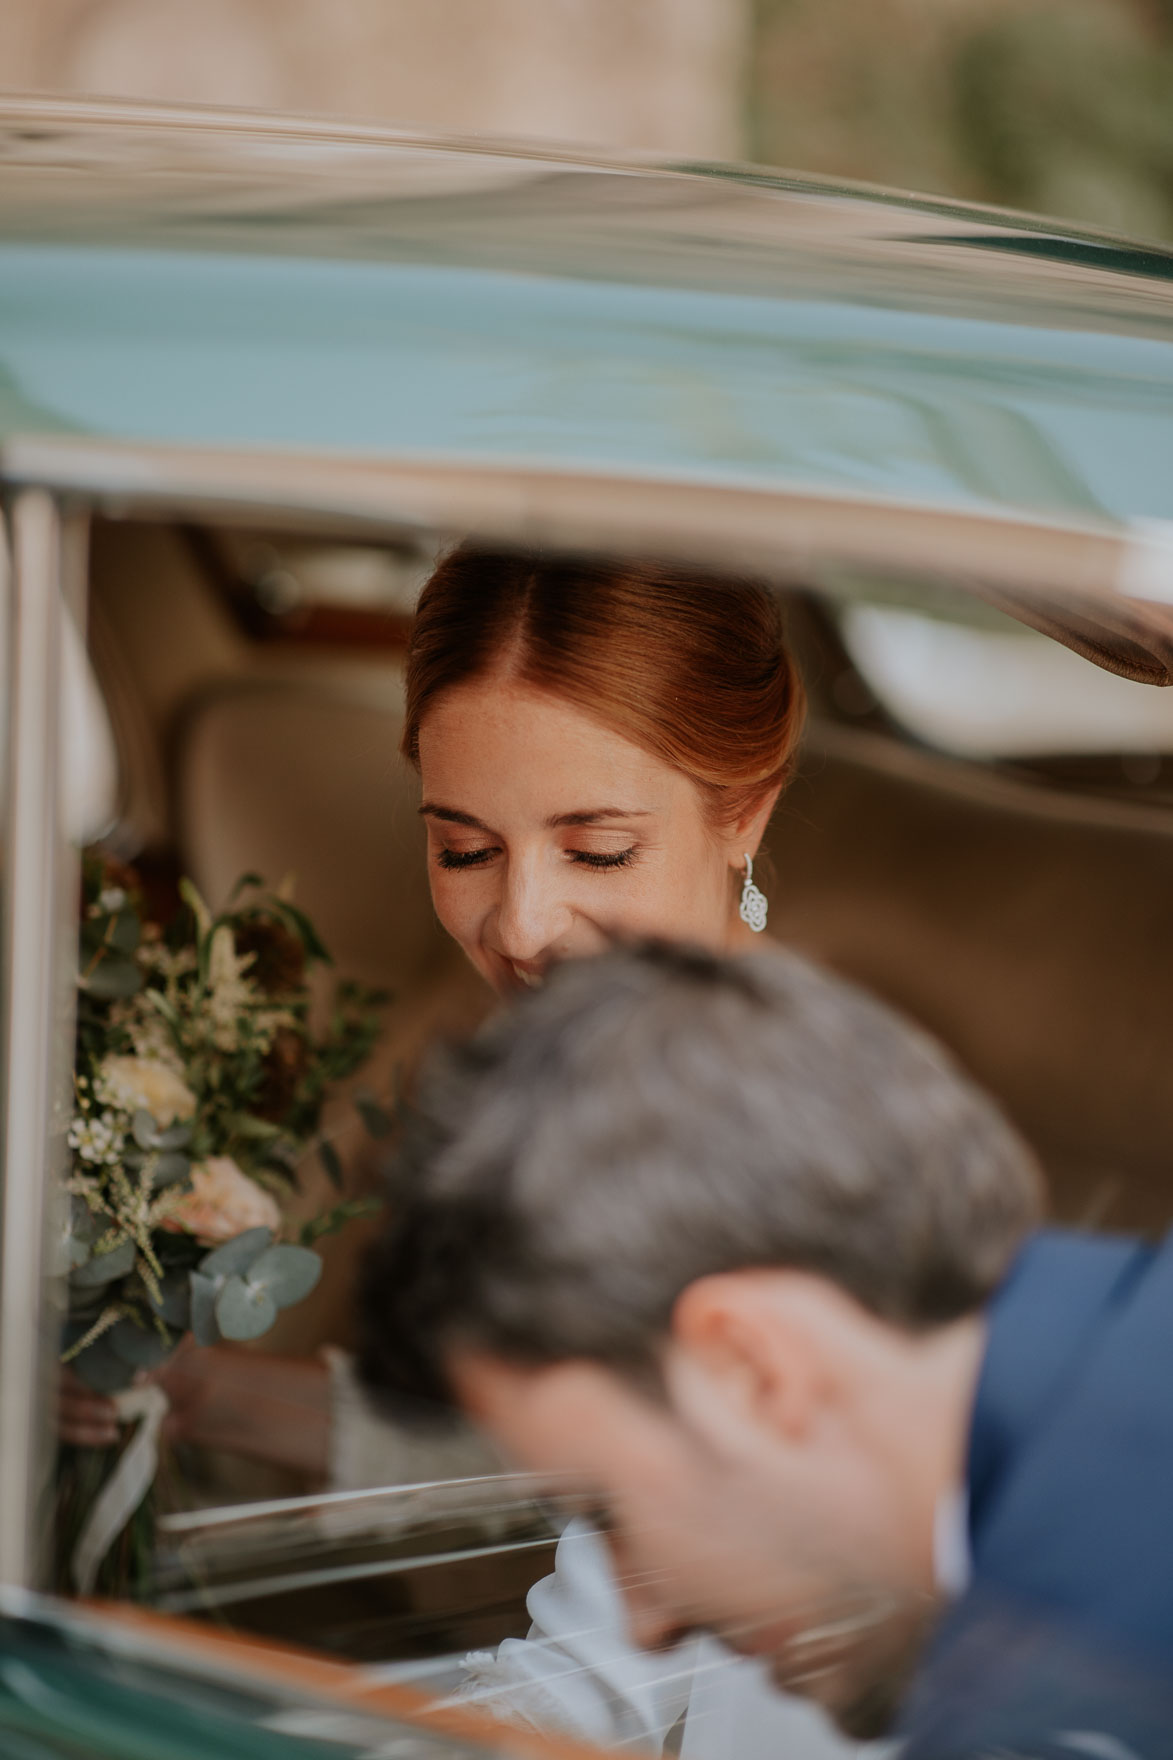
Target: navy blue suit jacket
x: 1063, y: 1643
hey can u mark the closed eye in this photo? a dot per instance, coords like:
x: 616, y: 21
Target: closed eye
x: 590, y: 858
x: 465, y: 858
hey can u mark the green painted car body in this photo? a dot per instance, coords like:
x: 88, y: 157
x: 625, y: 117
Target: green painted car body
x: 171, y: 280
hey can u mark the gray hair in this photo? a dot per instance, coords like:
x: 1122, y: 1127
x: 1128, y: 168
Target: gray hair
x: 659, y: 1114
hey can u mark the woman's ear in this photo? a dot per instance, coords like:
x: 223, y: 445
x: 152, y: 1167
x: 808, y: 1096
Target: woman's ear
x: 751, y: 827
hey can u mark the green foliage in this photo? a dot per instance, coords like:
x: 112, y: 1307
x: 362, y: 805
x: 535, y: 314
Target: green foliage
x: 200, y: 1084
x: 1064, y: 106
x: 1060, y: 106
x: 240, y: 1287
x: 330, y: 1221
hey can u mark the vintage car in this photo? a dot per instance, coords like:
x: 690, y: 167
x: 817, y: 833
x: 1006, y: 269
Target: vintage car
x: 253, y: 374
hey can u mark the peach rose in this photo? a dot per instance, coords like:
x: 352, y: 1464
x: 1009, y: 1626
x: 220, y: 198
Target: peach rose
x: 222, y: 1203
x: 146, y: 1082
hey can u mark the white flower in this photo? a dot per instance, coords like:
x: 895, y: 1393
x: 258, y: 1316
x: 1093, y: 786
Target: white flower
x: 131, y: 1083
x: 229, y: 992
x: 222, y: 1203
x: 97, y: 1140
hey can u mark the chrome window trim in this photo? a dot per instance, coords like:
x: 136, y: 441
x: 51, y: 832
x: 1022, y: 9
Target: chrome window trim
x: 729, y: 525
x: 52, y: 482
x: 36, y: 1009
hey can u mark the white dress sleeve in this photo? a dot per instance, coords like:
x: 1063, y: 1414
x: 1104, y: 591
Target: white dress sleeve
x: 368, y: 1451
x: 577, y: 1671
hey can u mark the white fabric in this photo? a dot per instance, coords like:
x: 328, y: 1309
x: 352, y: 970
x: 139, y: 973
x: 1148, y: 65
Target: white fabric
x: 89, y: 758
x: 368, y: 1451
x: 577, y: 1671
x: 952, y: 1562
x: 127, y: 1485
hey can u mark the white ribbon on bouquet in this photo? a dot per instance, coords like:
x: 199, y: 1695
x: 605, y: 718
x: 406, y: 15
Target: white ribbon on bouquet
x: 127, y: 1485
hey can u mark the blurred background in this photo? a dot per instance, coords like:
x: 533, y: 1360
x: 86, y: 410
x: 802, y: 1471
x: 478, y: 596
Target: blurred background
x: 1065, y: 106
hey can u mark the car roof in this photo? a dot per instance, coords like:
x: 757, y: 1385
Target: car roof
x: 215, y: 280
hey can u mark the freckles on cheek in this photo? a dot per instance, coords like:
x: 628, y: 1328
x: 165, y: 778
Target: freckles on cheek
x: 455, y: 903
x: 455, y: 921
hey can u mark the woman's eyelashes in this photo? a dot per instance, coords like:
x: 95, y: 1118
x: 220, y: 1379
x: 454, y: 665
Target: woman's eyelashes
x: 583, y: 858
x: 465, y: 858
x: 595, y: 858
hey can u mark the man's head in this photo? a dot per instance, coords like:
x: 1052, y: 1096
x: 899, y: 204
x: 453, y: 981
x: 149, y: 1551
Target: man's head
x: 713, y: 1238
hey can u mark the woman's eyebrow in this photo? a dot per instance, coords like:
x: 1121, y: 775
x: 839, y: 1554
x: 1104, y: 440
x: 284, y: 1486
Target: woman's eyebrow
x: 592, y: 815
x: 587, y: 816
x: 451, y: 816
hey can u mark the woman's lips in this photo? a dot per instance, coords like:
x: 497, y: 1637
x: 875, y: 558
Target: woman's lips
x: 531, y: 976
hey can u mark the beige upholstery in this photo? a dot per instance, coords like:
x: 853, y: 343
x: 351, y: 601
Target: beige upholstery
x: 297, y: 778
x: 1031, y: 930
x: 157, y: 637
x: 287, y: 778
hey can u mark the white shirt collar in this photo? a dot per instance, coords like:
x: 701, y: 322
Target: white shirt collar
x: 952, y: 1562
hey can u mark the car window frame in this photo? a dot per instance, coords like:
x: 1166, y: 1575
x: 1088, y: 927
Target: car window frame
x: 53, y: 485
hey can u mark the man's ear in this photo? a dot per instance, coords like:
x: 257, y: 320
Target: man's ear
x: 743, y: 1356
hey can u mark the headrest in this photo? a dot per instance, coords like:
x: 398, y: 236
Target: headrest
x: 305, y: 779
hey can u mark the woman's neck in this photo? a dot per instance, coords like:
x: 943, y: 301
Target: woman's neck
x: 741, y: 938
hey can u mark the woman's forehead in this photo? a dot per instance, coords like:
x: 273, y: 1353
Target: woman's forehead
x: 540, y: 754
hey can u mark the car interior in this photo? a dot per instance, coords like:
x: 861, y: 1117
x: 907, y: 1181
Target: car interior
x: 994, y: 860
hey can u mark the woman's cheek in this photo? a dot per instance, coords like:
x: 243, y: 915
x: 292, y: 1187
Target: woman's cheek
x: 458, y: 902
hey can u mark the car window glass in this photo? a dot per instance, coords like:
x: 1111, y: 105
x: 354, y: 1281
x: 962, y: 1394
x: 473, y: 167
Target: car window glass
x: 995, y: 689
x: 238, y: 753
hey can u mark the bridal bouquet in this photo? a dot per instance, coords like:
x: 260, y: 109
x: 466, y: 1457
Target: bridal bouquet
x: 199, y: 1084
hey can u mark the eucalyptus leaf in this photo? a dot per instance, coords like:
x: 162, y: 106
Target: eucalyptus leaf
x: 101, y: 1368
x: 203, y: 1309
x: 84, y: 1230
x: 84, y: 1307
x: 105, y: 1267
x: 288, y: 1273
x: 244, y: 1310
x: 237, y: 1255
x: 329, y: 1157
x: 170, y: 1168
x: 114, y: 976
x: 92, y: 938
x: 83, y: 1224
x: 378, y: 1122
x: 144, y: 1129
x: 176, y: 1136
x: 174, y: 1304
x: 126, y: 931
x: 141, y: 1347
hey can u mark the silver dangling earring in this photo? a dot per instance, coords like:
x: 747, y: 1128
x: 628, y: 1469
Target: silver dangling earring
x: 754, y: 905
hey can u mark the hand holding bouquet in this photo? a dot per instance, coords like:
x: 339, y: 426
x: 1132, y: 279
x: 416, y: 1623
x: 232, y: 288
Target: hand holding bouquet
x: 199, y: 1086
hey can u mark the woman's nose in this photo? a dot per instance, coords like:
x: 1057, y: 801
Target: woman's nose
x: 532, y: 914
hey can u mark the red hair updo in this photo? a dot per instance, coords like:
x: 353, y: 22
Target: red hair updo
x: 691, y: 667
